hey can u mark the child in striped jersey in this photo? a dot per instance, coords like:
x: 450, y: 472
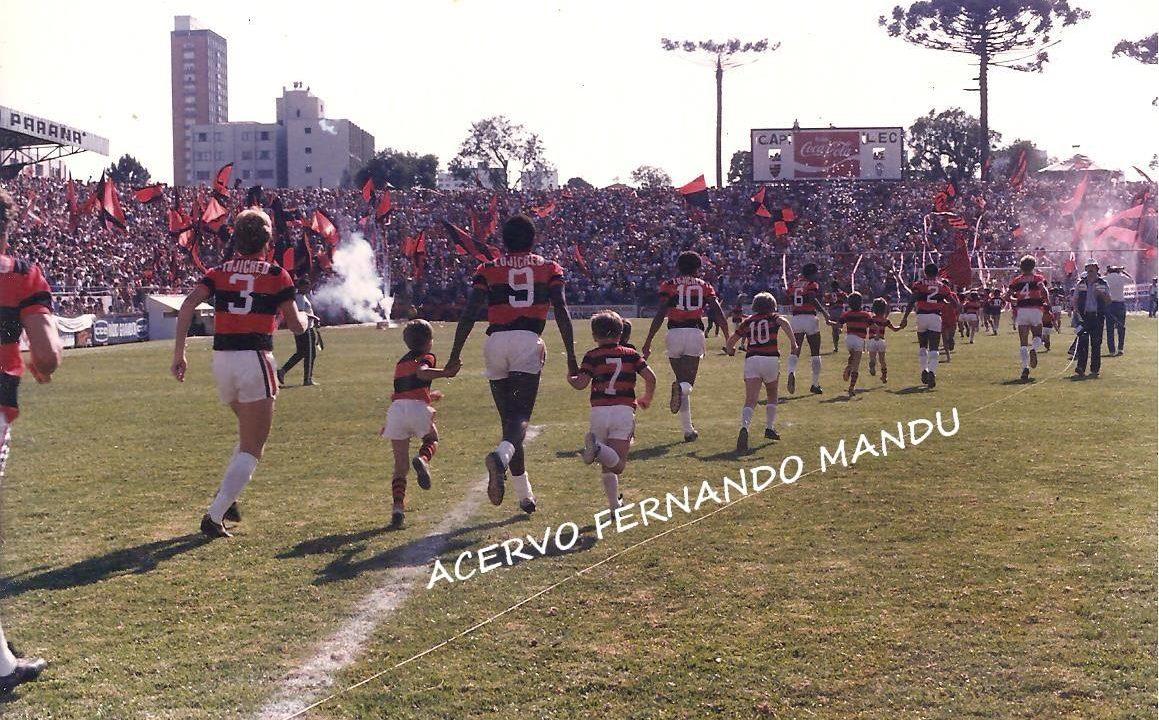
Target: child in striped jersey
x: 857, y: 323
x: 875, y: 338
x: 411, y: 415
x: 611, y: 369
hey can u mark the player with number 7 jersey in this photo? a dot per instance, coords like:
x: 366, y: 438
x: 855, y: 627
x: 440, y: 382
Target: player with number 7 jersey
x: 518, y: 288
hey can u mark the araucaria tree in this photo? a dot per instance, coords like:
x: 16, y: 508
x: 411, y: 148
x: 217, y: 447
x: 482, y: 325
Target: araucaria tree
x: 505, y: 148
x: 1012, y: 34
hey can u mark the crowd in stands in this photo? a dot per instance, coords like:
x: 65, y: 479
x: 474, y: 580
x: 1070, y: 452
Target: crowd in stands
x: 628, y: 238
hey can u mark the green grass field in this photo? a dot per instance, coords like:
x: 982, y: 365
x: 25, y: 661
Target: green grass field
x: 1006, y: 572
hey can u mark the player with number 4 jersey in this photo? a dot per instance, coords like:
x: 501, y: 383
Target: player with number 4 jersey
x: 247, y: 293
x: 685, y: 301
x: 1029, y: 296
x: 518, y: 288
x: 762, y: 363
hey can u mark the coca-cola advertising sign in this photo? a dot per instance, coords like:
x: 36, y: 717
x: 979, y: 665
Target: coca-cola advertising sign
x: 827, y: 153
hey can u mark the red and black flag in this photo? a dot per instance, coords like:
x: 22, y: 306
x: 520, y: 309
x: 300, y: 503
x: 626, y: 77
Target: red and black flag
x: 382, y: 212
x: 415, y: 249
x: 578, y: 256
x: 464, y: 244
x: 957, y: 267
x: 1019, y: 174
x: 221, y: 182
x: 759, y: 207
x: 695, y: 193
x: 957, y: 222
x: 110, y: 206
x: 149, y: 193
x: 1015, y: 229
x: 324, y: 226
x: 214, y: 215
x: 368, y: 189
x: 180, y: 224
x: 944, y: 200
x: 1070, y: 205
x: 542, y: 211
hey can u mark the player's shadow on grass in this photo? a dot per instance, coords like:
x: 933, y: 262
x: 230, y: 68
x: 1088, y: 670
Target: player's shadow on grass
x: 415, y: 553
x: 1018, y: 381
x: 910, y: 390
x: 127, y: 561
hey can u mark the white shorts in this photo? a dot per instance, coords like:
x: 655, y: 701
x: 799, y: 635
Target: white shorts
x: 406, y: 419
x: 513, y: 351
x: 1047, y: 330
x: 765, y: 367
x: 613, y: 422
x: 852, y: 342
x: 876, y: 345
x: 804, y: 324
x: 244, y: 376
x: 685, y: 342
x: 969, y: 318
x: 1028, y: 316
x: 929, y: 322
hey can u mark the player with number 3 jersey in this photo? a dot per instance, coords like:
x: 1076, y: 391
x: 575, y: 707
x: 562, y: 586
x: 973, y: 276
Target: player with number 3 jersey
x: 247, y: 293
x: 518, y: 288
x: 762, y: 363
x: 685, y: 300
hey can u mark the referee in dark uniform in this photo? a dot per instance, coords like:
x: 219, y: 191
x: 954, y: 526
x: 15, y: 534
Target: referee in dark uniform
x: 306, y: 343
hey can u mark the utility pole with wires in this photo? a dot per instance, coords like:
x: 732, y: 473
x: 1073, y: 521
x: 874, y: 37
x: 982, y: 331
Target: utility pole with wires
x: 724, y: 56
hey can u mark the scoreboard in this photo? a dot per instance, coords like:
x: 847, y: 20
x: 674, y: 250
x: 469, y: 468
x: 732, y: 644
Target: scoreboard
x: 827, y: 154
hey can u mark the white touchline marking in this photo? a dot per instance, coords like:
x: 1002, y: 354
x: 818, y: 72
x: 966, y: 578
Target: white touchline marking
x: 316, y: 673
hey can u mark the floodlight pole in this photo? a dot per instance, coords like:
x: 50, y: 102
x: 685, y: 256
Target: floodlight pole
x: 719, y: 116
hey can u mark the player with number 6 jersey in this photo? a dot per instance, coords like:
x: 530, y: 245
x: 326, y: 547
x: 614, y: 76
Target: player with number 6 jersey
x: 806, y: 301
x: 762, y: 364
x: 612, y: 369
x: 247, y: 293
x: 518, y: 288
x: 685, y: 300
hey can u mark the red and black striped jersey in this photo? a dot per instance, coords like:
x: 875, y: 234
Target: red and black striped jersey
x: 407, y: 383
x: 856, y: 322
x: 23, y: 292
x: 737, y: 314
x: 972, y: 307
x: 613, y: 370
x: 877, y: 326
x: 1029, y: 291
x: 761, y: 329
x: 950, y: 309
x: 686, y: 297
x: 930, y: 295
x: 805, y: 296
x: 518, y: 287
x: 245, y: 294
x: 835, y: 300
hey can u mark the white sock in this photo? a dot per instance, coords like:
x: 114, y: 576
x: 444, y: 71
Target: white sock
x: 932, y: 360
x: 612, y: 489
x: 816, y: 360
x: 237, y: 476
x: 770, y: 415
x: 607, y: 456
x: 505, y: 450
x: 7, y: 659
x: 686, y: 407
x: 793, y: 363
x: 746, y: 417
x: 922, y: 359
x: 1025, y: 353
x: 1037, y: 344
x: 522, y: 486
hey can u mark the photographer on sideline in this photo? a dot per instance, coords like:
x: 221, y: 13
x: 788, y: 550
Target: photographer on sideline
x: 306, y: 344
x: 1088, y: 307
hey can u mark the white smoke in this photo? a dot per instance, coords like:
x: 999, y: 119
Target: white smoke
x: 327, y: 126
x: 356, y: 286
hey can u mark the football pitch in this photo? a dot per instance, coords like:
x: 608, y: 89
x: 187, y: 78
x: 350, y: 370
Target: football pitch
x: 1008, y: 570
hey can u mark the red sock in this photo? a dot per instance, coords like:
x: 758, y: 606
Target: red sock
x: 398, y: 489
x: 428, y: 448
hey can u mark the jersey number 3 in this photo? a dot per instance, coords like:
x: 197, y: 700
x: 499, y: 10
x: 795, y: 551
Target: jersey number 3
x: 247, y: 295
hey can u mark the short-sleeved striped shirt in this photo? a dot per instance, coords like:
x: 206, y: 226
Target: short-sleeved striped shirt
x: 246, y: 293
x: 518, y: 287
x: 23, y: 292
x: 613, y: 370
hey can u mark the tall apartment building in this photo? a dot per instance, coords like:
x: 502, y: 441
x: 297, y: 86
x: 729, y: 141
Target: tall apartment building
x: 303, y: 148
x: 199, y: 88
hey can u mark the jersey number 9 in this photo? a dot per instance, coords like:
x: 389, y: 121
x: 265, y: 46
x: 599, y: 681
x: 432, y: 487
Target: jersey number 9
x: 522, y: 283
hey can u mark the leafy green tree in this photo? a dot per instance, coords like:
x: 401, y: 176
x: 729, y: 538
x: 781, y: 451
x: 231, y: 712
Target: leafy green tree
x: 1145, y: 50
x: 1012, y: 34
x: 740, y: 168
x: 947, y: 144
x: 403, y: 170
x: 1007, y: 157
x: 578, y: 183
x: 128, y: 171
x: 649, y: 177
x: 505, y: 147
